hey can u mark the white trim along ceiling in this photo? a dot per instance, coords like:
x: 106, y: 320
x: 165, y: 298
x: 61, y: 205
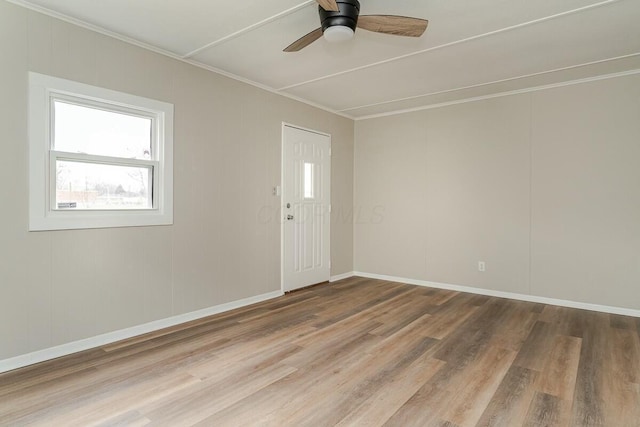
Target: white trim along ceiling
x: 471, y: 49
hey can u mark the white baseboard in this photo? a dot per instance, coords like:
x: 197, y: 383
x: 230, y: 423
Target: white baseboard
x: 341, y: 276
x: 111, y: 337
x: 510, y: 295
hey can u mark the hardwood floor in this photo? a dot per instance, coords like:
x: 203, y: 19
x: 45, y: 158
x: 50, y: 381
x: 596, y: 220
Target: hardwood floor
x: 356, y: 352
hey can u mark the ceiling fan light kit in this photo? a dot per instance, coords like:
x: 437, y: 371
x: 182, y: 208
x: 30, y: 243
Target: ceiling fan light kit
x: 338, y: 33
x: 340, y: 18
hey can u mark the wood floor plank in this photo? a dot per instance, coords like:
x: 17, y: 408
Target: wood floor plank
x: 625, y: 355
x: 340, y: 312
x: 515, y: 329
x: 455, y: 300
x: 354, y: 352
x: 434, y: 398
x: 620, y: 377
x: 100, y: 382
x: 318, y: 376
x: 537, y: 347
x: 470, y: 396
x: 396, y: 320
x: 474, y: 332
x: 441, y: 296
x: 589, y: 397
x: 558, y: 377
x: 216, y: 369
x: 377, y: 372
x: 445, y: 321
x: 549, y: 313
x: 545, y: 410
x: 441, y: 423
x: 622, y: 322
x: 196, y: 406
x: 379, y: 406
x: 122, y: 407
x: 50, y: 370
x: 130, y: 419
x: 510, y: 403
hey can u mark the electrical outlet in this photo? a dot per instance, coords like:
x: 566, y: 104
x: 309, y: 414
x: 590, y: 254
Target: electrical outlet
x: 481, y: 266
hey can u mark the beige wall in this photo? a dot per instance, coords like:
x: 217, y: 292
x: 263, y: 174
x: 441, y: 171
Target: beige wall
x: 57, y: 287
x: 543, y: 187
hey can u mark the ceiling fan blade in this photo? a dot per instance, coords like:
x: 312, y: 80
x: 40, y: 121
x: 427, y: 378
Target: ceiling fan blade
x: 304, y: 41
x: 329, y: 5
x: 392, y: 24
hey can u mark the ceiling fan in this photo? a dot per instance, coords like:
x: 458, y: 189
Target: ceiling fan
x: 339, y: 19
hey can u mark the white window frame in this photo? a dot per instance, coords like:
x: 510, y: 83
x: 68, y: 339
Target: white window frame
x: 43, y: 213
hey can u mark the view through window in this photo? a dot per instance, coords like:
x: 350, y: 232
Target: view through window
x: 104, y: 179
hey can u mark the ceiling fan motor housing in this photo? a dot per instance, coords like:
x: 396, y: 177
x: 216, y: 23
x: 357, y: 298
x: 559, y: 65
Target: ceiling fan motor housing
x: 347, y: 17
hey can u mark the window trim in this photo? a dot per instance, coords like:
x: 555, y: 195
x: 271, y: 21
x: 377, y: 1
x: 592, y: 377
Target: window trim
x: 43, y: 215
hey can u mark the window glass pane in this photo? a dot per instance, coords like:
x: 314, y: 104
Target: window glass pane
x: 308, y: 181
x: 82, y: 129
x: 98, y: 186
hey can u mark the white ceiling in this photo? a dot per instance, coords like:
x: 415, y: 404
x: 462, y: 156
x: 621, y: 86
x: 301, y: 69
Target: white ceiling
x: 472, y: 48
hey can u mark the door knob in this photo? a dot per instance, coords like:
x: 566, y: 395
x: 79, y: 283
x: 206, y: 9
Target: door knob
x: 289, y: 217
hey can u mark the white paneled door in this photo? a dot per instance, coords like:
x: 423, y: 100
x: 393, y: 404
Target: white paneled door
x: 306, y: 198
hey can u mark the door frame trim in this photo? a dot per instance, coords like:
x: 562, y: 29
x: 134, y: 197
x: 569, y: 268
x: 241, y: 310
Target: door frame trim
x: 280, y: 209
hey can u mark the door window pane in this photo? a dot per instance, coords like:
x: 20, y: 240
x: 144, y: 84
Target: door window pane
x: 308, y: 181
x: 82, y: 129
x: 98, y: 186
